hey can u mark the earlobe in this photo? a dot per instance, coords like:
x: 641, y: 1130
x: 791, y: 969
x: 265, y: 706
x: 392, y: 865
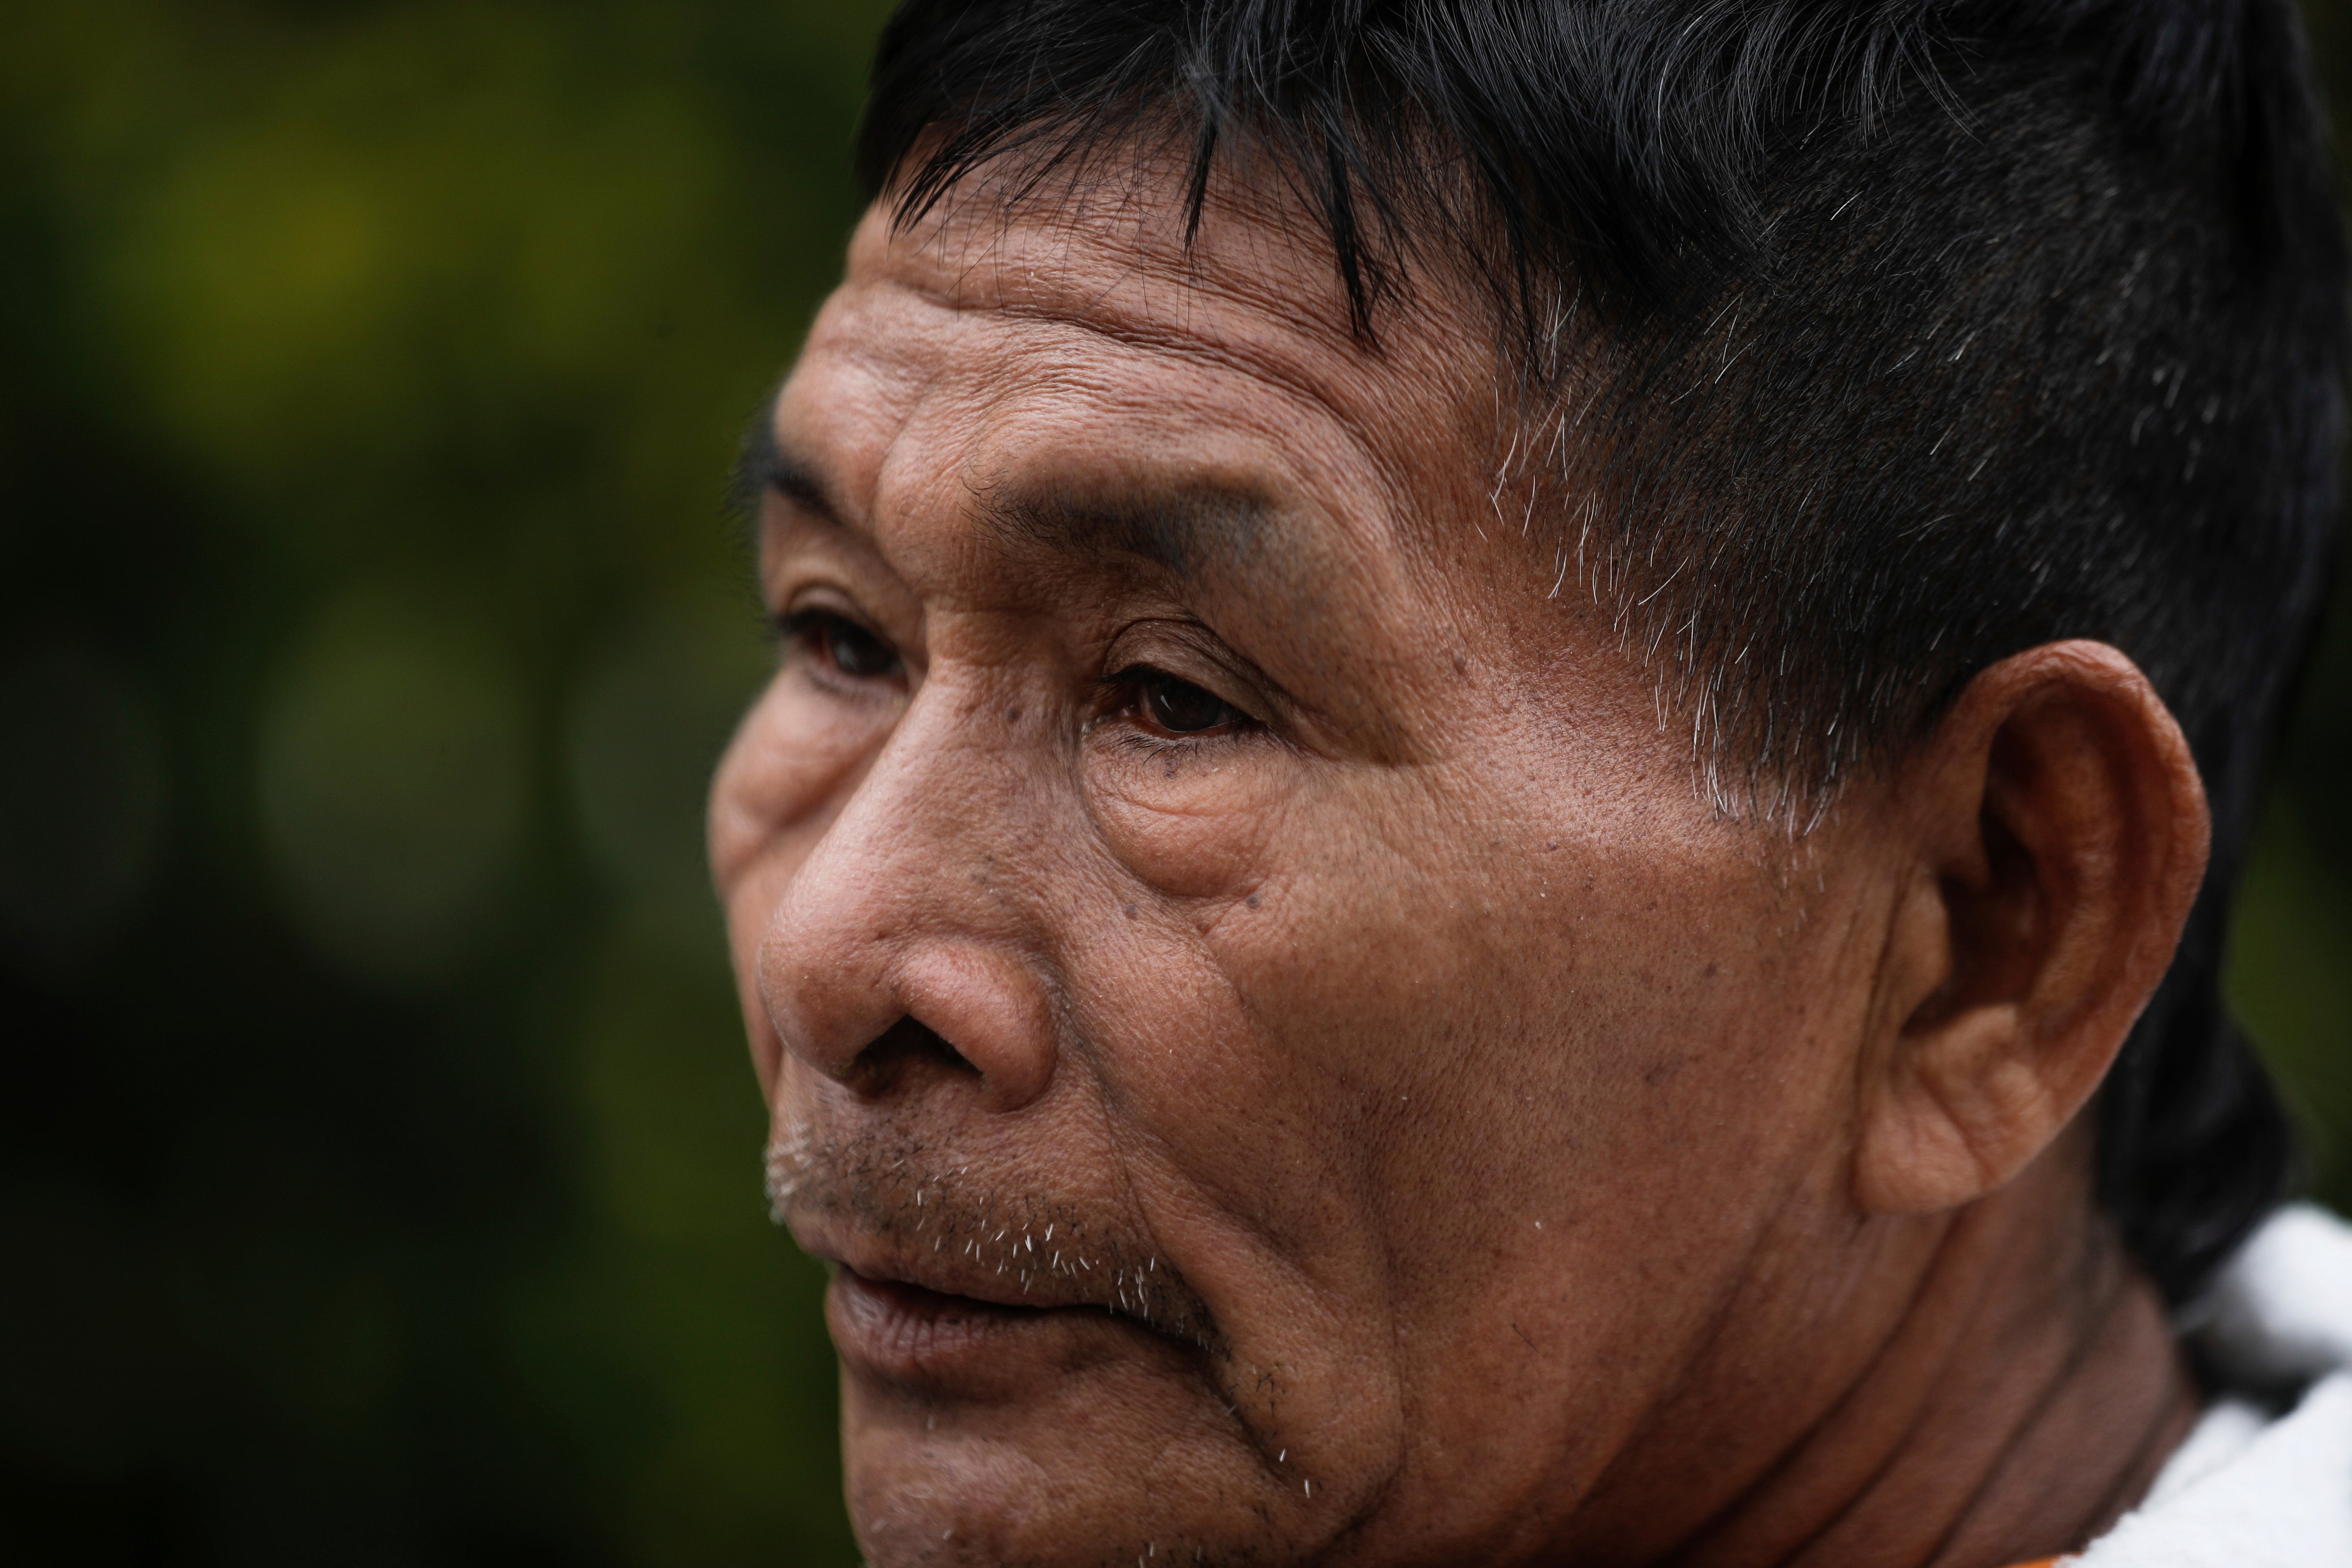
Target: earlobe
x: 2054, y: 833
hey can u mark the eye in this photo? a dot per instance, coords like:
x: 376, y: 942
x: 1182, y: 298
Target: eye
x: 1181, y: 707
x: 844, y: 644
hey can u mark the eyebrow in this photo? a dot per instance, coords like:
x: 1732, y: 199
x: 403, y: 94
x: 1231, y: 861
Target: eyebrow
x: 1184, y: 528
x: 764, y: 465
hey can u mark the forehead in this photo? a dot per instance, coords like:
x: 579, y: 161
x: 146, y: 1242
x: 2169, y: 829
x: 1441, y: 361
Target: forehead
x: 1062, y: 347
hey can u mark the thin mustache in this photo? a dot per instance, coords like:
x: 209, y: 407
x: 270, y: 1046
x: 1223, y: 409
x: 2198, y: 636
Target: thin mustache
x: 1065, y: 1253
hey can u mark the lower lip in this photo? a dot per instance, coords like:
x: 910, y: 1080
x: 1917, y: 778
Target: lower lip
x: 906, y: 1334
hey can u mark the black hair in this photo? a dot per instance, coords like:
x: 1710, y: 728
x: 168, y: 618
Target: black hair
x: 1882, y: 339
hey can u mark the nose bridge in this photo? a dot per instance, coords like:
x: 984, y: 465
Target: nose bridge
x: 943, y: 797
x: 913, y: 904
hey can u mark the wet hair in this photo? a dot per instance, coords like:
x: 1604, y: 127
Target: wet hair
x: 1865, y: 344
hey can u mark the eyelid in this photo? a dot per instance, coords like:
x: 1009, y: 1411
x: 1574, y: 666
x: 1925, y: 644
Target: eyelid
x: 801, y: 618
x: 1128, y: 678
x: 806, y: 606
x: 805, y: 643
x: 822, y: 598
x: 795, y: 626
x: 1206, y: 663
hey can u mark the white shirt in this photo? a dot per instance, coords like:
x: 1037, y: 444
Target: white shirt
x: 2251, y: 1488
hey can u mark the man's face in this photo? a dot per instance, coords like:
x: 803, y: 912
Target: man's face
x: 1286, y: 1062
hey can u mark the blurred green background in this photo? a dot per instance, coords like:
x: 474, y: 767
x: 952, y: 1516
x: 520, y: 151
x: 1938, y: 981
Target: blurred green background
x: 379, y: 1162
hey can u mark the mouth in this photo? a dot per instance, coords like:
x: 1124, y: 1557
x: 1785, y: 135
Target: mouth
x: 935, y: 1343
x: 940, y: 1324
x: 912, y: 1335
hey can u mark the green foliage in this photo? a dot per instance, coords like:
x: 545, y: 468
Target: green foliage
x: 379, y: 1162
x: 2291, y: 959
x: 382, y: 1159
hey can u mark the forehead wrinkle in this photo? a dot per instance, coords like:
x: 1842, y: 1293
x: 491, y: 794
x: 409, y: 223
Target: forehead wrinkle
x: 1059, y: 267
x: 1079, y: 277
x: 1136, y: 331
x: 1095, y: 312
x: 1244, y: 510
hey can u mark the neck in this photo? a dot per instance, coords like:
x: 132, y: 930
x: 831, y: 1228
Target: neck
x: 2021, y: 1397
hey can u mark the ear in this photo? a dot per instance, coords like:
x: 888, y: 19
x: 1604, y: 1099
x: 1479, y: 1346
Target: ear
x: 2052, y: 834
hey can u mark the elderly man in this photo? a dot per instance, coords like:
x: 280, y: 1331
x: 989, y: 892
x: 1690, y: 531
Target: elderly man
x: 1512, y: 744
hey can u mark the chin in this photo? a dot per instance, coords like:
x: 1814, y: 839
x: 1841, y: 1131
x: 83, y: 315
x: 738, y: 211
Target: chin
x: 1033, y: 1483
x: 973, y: 1434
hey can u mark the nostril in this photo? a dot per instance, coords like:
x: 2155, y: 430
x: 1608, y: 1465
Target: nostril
x: 903, y: 1050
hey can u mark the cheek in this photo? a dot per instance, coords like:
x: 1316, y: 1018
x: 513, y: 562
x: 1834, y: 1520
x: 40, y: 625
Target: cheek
x: 796, y: 757
x: 792, y: 760
x: 1192, y: 825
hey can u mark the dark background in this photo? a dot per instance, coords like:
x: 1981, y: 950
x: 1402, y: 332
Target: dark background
x: 379, y: 1161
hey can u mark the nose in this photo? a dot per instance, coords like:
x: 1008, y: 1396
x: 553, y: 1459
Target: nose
x: 904, y: 955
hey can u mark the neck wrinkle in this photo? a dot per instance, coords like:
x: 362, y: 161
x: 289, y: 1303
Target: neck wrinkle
x: 2105, y: 1301
x: 2023, y: 1398
x: 1919, y: 1387
x: 2093, y: 1444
